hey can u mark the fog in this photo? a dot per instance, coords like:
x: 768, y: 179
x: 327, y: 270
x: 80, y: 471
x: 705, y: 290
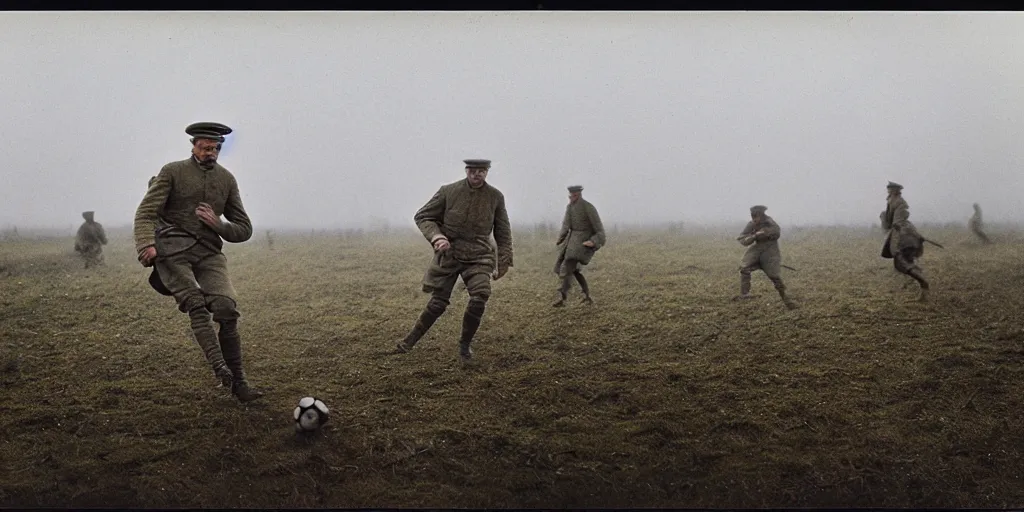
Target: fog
x: 355, y: 119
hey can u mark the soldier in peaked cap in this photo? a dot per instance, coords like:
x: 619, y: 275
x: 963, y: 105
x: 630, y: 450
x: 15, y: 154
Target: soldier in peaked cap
x: 179, y: 231
x: 761, y: 237
x: 458, y: 221
x: 903, y: 244
x: 581, y: 236
x: 90, y: 239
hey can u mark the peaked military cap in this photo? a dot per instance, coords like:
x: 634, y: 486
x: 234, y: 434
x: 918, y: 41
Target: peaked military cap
x: 157, y: 284
x: 205, y: 130
x: 758, y: 209
x: 478, y: 164
x: 576, y: 188
x: 893, y: 184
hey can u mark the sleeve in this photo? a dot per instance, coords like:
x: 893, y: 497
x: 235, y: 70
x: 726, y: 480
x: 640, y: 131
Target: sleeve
x: 146, y: 214
x: 881, y: 217
x: 101, y: 234
x: 902, y: 213
x: 238, y: 228
x: 748, y: 229
x: 503, y: 233
x: 595, y: 221
x: 564, y: 232
x: 771, y: 232
x: 430, y: 216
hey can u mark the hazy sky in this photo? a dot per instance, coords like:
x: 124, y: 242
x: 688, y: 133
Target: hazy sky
x: 346, y: 118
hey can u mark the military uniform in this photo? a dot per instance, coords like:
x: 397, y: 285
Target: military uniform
x: 976, y: 227
x: 903, y: 244
x: 89, y: 240
x: 190, y: 265
x: 761, y: 237
x: 581, y: 223
x: 466, y: 217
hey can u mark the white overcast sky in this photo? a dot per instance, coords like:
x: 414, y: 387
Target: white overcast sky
x: 347, y: 118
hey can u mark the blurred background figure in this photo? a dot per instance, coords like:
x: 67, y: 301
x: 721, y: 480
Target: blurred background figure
x: 89, y: 240
x: 976, y: 225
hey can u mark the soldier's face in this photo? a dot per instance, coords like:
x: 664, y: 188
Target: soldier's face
x: 206, y: 150
x: 573, y: 197
x: 756, y: 217
x: 476, y: 176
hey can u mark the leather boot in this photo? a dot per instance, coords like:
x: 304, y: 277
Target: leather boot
x: 470, y: 323
x: 231, y: 345
x: 435, y: 307
x: 206, y: 337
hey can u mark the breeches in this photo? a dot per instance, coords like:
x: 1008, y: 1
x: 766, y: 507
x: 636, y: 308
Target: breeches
x: 444, y: 272
x: 904, y: 259
x: 198, y: 277
x: 771, y: 264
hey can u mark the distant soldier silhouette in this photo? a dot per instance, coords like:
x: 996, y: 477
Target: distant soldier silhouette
x: 976, y: 226
x: 903, y: 243
x: 761, y: 237
x: 89, y: 241
x: 179, y: 232
x: 582, y: 234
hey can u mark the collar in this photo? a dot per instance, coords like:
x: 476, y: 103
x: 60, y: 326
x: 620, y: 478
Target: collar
x: 200, y: 165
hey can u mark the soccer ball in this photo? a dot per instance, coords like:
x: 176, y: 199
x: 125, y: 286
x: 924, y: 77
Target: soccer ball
x: 311, y: 414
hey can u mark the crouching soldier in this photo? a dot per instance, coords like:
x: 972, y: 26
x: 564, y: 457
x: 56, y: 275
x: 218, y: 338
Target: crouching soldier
x: 761, y: 237
x: 458, y: 221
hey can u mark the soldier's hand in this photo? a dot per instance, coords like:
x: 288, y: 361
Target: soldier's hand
x: 441, y: 244
x: 588, y: 243
x: 499, y: 272
x: 147, y: 256
x: 205, y: 214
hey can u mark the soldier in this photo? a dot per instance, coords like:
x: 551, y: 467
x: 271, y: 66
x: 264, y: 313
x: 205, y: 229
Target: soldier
x: 89, y: 240
x: 458, y: 221
x: 179, y: 231
x: 583, y: 234
x: 761, y: 236
x: 903, y: 244
x: 975, y: 225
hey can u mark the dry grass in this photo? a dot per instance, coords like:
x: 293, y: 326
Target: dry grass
x: 663, y: 394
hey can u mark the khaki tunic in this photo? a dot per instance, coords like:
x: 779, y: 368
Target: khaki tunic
x: 467, y: 217
x: 976, y: 226
x: 975, y: 222
x: 581, y: 223
x: 189, y: 254
x: 902, y: 234
x: 89, y: 241
x: 764, y: 254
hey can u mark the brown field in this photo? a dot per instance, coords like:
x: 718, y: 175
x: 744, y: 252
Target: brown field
x: 663, y: 394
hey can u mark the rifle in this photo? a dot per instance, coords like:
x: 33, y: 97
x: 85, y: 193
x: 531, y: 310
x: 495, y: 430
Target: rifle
x: 936, y: 244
